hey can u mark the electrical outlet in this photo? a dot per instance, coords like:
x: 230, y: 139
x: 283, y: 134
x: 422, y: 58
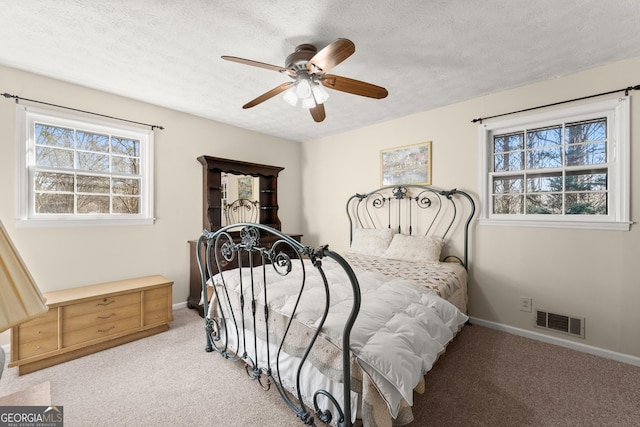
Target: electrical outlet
x: 525, y: 304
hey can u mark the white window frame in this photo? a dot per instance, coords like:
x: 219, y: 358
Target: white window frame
x: 618, y: 163
x: 26, y: 117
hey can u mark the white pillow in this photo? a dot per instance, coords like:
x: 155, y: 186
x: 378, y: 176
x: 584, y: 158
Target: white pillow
x: 423, y: 249
x: 371, y: 241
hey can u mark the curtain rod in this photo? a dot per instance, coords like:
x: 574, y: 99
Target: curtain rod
x: 626, y: 92
x: 17, y: 98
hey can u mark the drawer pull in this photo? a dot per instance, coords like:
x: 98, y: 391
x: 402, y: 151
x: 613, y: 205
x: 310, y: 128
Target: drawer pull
x: 106, y: 303
x: 106, y: 330
x: 106, y: 317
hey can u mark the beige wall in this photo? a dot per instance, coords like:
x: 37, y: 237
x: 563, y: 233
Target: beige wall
x: 595, y: 274
x: 74, y: 256
x: 586, y: 273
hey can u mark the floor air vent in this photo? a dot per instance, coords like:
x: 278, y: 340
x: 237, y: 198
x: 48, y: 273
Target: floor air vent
x: 571, y: 325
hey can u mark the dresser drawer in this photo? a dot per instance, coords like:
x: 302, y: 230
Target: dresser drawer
x: 151, y: 317
x: 41, y: 327
x: 157, y: 305
x: 50, y: 316
x: 38, y: 346
x: 92, y: 331
x: 100, y: 304
x: 38, y: 336
x: 100, y: 318
x: 153, y: 295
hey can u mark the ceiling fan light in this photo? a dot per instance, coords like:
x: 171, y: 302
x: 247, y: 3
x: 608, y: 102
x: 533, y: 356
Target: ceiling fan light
x: 290, y: 96
x: 303, y: 89
x: 308, y: 102
x: 320, y: 93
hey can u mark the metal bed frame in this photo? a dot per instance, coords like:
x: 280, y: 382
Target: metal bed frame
x: 220, y: 250
x: 400, y: 207
x: 242, y: 210
x: 414, y: 210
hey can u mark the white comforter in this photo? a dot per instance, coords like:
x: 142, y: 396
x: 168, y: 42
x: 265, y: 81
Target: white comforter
x: 399, y: 333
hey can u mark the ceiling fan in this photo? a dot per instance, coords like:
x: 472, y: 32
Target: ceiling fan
x: 308, y: 68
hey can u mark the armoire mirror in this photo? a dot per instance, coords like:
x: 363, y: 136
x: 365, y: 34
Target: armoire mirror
x: 240, y: 201
x: 239, y: 176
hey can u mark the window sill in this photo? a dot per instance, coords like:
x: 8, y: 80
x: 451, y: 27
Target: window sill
x: 581, y: 225
x: 88, y: 222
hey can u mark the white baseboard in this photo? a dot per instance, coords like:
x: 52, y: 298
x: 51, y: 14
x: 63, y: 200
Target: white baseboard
x: 180, y: 305
x: 596, y: 351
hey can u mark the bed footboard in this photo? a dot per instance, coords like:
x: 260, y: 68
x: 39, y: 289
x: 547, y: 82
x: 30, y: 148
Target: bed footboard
x: 242, y: 321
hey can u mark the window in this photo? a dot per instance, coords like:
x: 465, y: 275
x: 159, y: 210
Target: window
x: 80, y: 172
x: 566, y: 168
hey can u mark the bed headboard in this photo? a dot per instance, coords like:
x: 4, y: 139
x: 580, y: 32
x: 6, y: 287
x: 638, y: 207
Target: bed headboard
x: 418, y: 211
x: 242, y: 210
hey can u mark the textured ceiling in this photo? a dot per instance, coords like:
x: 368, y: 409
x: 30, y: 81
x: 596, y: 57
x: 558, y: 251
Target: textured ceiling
x: 427, y: 53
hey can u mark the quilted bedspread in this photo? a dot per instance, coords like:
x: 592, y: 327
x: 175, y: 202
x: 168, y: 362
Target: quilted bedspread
x: 444, y: 278
x: 399, y: 333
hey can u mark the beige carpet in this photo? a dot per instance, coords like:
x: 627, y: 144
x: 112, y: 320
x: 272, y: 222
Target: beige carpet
x: 37, y: 395
x: 492, y: 378
x: 163, y: 380
x: 485, y: 378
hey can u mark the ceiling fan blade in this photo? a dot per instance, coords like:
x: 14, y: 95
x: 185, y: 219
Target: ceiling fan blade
x: 356, y: 87
x: 268, y: 95
x: 318, y: 113
x: 331, y: 55
x: 254, y: 63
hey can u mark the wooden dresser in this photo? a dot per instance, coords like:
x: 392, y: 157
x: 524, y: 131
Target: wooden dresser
x: 88, y: 319
x: 212, y: 208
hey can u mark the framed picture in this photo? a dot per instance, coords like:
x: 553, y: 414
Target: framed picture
x: 410, y: 164
x: 245, y: 187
